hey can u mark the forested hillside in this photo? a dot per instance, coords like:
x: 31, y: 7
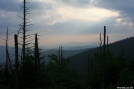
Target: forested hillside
x: 67, y: 53
x: 80, y: 61
x: 119, y: 50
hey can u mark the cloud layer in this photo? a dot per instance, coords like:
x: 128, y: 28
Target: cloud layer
x: 68, y: 18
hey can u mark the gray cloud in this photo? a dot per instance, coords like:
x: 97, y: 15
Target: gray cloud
x: 9, y: 5
x: 111, y: 25
x: 35, y: 5
x: 15, y: 6
x: 83, y: 27
x: 71, y: 26
x: 67, y: 27
x: 124, y: 7
x: 10, y: 10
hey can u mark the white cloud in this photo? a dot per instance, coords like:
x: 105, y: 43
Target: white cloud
x: 124, y: 21
x: 62, y: 13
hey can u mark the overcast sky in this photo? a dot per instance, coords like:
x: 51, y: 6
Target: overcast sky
x: 65, y: 21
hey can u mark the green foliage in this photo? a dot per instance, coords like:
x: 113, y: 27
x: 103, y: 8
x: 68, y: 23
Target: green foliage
x: 117, y: 72
x: 126, y: 77
x: 54, y: 75
x: 60, y: 76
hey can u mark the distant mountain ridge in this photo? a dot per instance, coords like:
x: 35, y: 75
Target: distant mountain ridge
x: 79, y: 53
x: 71, y: 45
x: 3, y: 53
x: 69, y: 51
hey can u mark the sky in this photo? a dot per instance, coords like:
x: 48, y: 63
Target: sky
x: 60, y: 22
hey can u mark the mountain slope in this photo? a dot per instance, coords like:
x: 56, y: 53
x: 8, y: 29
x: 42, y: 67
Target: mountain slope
x: 67, y: 53
x: 3, y: 53
x: 80, y: 61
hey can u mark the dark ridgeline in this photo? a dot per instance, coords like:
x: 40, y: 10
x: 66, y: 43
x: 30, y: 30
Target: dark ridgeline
x: 111, y: 64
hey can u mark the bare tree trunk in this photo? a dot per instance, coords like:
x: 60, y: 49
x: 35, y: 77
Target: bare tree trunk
x: 100, y: 43
x: 8, y: 62
x: 62, y: 51
x: 59, y: 57
x: 16, y: 61
x: 103, y: 60
x: 36, y: 58
x: 6, y: 69
x: 107, y: 42
x: 24, y: 29
x: 36, y: 55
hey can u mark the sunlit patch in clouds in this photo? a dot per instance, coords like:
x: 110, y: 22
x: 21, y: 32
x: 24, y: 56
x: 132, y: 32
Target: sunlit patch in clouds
x: 63, y: 12
x: 91, y: 14
x: 126, y: 21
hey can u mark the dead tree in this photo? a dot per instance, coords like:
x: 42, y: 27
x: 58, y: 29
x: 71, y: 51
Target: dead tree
x: 16, y: 61
x: 59, y: 56
x: 37, y: 53
x: 36, y: 58
x: 104, y: 58
x: 61, y: 51
x: 100, y: 43
x: 23, y: 30
x: 8, y: 60
x: 107, y: 42
x: 61, y: 60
